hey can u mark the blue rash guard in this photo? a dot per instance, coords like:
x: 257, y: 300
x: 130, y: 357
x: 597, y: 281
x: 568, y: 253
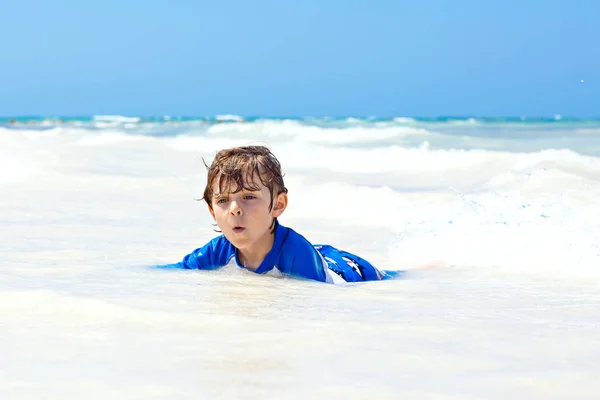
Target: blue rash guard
x: 291, y: 255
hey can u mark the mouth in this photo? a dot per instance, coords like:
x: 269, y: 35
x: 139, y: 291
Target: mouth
x: 238, y: 229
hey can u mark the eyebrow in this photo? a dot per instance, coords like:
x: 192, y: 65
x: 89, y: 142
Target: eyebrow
x: 243, y: 190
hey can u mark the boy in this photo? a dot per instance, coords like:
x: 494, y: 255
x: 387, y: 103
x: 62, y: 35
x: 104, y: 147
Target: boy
x: 245, y: 194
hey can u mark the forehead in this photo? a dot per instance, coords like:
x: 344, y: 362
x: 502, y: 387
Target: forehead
x: 226, y: 184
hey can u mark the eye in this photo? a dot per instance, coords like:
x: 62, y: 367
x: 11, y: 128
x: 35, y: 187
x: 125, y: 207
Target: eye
x: 249, y: 197
x: 221, y: 200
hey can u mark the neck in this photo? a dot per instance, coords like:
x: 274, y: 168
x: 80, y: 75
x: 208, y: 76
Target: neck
x: 252, y: 258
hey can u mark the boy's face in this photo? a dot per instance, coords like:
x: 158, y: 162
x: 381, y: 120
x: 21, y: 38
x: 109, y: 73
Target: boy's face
x: 244, y: 217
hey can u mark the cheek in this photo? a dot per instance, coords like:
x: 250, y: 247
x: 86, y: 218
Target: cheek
x: 258, y: 209
x: 219, y: 213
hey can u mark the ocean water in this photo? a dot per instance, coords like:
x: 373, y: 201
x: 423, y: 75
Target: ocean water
x: 495, y: 221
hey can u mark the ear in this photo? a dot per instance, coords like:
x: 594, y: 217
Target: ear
x: 279, y: 204
x: 212, y: 212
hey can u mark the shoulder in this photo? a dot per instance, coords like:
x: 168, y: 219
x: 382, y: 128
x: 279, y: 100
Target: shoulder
x: 299, y: 257
x: 295, y: 242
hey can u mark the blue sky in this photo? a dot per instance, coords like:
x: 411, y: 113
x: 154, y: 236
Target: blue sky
x: 300, y: 58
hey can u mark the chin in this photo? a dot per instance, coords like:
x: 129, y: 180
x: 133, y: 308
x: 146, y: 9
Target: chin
x: 237, y: 241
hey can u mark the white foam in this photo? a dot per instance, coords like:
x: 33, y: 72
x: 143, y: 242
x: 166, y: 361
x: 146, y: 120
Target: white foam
x: 404, y: 120
x: 86, y: 215
x: 17, y: 161
x: 526, y: 235
x: 13, y: 169
x: 229, y: 117
x: 288, y: 129
x: 110, y: 138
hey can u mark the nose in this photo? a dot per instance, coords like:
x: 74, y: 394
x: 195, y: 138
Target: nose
x: 235, y: 209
